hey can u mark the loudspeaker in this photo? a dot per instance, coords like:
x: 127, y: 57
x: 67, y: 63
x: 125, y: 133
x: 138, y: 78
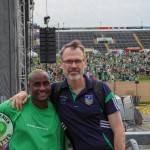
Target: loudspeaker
x: 47, y: 45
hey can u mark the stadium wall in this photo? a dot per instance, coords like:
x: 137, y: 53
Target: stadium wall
x: 130, y: 88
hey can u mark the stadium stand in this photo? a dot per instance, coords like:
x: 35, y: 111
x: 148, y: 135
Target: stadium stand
x: 144, y: 37
x: 121, y: 39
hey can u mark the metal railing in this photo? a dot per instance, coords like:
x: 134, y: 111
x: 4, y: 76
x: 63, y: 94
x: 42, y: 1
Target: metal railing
x: 132, y: 144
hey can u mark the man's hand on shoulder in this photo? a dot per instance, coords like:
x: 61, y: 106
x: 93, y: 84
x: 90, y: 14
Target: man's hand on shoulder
x: 19, y: 99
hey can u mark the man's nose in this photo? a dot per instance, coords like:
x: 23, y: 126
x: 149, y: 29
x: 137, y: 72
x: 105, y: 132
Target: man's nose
x: 73, y: 64
x: 42, y: 87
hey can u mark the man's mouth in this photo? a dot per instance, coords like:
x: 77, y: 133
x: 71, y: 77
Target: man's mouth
x: 42, y: 94
x: 74, y: 71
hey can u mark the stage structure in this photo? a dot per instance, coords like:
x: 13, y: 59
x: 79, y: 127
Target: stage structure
x: 15, y: 20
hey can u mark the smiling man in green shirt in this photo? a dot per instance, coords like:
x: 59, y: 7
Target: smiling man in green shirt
x: 37, y: 125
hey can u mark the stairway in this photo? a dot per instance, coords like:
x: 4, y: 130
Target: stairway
x: 138, y: 41
x: 106, y: 45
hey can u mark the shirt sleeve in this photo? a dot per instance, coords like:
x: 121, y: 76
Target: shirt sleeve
x: 110, y: 100
x: 7, y: 109
x: 3, y: 106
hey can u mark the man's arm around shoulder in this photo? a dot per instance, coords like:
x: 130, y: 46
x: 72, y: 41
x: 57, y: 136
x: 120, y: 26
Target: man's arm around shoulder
x: 19, y: 99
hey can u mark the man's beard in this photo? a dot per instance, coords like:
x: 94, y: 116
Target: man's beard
x: 73, y: 78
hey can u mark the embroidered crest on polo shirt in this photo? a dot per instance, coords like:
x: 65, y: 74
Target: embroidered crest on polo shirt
x: 89, y: 99
x: 63, y: 99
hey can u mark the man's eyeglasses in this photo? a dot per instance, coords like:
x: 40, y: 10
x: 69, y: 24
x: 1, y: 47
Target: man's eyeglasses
x: 78, y: 62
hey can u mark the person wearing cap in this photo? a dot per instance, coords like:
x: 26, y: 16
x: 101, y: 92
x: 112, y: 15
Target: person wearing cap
x: 37, y: 125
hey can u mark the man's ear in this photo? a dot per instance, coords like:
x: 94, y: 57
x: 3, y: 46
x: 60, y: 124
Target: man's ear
x: 61, y: 63
x: 85, y: 63
x: 28, y: 86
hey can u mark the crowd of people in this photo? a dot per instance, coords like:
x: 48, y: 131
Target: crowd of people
x: 110, y: 67
x: 119, y: 67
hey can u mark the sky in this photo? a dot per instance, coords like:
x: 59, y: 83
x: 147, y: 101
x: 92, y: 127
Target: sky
x: 92, y: 13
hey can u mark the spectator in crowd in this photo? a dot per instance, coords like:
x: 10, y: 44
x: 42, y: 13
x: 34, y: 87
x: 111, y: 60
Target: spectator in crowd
x: 100, y: 74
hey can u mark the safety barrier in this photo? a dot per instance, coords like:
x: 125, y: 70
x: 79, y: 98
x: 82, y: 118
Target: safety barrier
x: 132, y: 144
x: 134, y: 139
x: 142, y: 138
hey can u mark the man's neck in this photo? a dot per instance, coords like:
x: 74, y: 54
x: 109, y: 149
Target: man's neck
x: 40, y: 104
x: 77, y: 85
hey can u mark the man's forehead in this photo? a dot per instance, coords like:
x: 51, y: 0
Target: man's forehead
x: 39, y: 76
x: 73, y: 49
x: 73, y: 53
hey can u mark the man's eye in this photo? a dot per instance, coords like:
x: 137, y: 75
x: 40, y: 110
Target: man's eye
x: 69, y: 61
x: 77, y: 61
x: 36, y: 84
x: 46, y: 83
